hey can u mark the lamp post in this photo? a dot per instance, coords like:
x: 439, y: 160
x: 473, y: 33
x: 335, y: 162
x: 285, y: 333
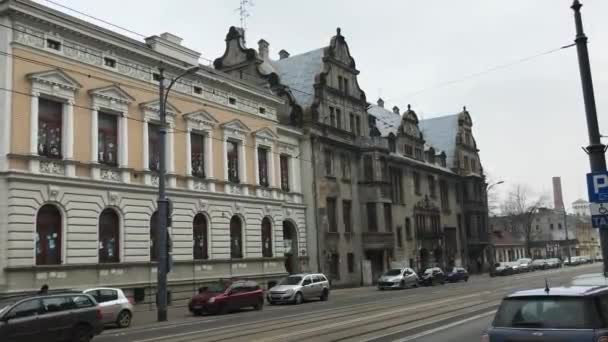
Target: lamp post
x: 596, y: 150
x: 492, y: 249
x: 163, y: 202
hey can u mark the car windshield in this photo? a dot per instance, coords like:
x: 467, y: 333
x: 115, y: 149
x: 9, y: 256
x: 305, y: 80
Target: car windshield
x: 291, y: 280
x: 544, y: 312
x: 215, y: 287
x: 394, y: 272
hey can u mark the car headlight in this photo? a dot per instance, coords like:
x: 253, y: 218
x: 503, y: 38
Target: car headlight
x: 289, y: 292
x: 211, y: 300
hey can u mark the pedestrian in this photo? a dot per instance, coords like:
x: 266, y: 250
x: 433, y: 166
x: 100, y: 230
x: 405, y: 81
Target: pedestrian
x: 44, y: 290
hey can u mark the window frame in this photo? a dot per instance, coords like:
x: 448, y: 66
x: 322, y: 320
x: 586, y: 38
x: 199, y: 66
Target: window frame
x: 263, y: 153
x: 115, y: 233
x: 372, y: 217
x: 153, y: 146
x: 200, y: 233
x: 328, y: 159
x: 236, y: 252
x: 57, y: 123
x: 347, y: 215
x: 104, y: 138
x: 234, y: 171
x: 198, y: 166
x: 266, y: 230
x: 284, y: 161
x: 44, y: 219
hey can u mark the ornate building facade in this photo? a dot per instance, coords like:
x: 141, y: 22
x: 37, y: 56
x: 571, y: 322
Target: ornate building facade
x: 79, y: 160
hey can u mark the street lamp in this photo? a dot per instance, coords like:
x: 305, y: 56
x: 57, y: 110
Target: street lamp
x: 163, y: 202
x: 492, y: 249
x: 492, y: 185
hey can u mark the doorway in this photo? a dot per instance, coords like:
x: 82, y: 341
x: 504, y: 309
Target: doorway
x: 290, y: 241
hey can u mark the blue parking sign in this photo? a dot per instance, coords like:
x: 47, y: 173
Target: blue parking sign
x: 597, y: 185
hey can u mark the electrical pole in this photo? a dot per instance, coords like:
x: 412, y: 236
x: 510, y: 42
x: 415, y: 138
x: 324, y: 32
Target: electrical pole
x: 161, y: 235
x: 567, y: 240
x: 595, y: 150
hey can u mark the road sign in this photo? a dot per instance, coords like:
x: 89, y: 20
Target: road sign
x: 599, y: 215
x: 597, y: 185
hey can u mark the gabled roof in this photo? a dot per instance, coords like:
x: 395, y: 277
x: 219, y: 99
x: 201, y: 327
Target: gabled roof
x: 386, y: 121
x: 113, y: 92
x: 299, y: 73
x: 55, y: 77
x: 441, y: 132
x: 237, y: 125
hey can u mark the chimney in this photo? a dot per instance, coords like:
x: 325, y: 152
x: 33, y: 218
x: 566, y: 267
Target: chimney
x: 283, y: 54
x: 171, y: 45
x: 558, y: 200
x: 263, y: 48
x: 380, y: 102
x: 396, y: 110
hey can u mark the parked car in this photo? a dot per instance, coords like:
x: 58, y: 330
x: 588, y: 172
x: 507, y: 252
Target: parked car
x: 503, y: 269
x: 457, y: 274
x: 115, y: 307
x: 572, y: 261
x: 49, y: 318
x: 398, y: 278
x: 552, y: 314
x: 299, y: 287
x: 432, y: 276
x: 539, y: 264
x: 221, y: 298
x: 554, y: 263
x: 524, y: 265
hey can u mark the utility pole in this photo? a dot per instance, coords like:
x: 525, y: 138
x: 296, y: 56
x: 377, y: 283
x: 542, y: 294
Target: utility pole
x: 567, y: 240
x: 161, y: 235
x: 595, y: 150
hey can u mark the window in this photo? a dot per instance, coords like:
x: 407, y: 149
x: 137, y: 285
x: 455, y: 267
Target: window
x: 103, y: 296
x: 284, y: 164
x: 383, y: 168
x: 546, y: 312
x: 334, y: 266
x: 263, y: 166
x: 357, y: 125
x: 53, y: 44
x: 262, y: 110
x: 444, y: 193
x: 200, y: 250
x: 388, y: 217
x: 197, y: 155
x: 399, y: 237
x: 331, y: 215
x: 49, y: 128
x: 332, y: 116
x: 396, y: 186
x: 266, y: 238
x: 368, y: 168
x: 345, y: 163
x: 346, y: 213
x: 153, y: 146
x: 351, y: 262
x: 392, y: 144
x: 236, y: 238
x: 154, y: 227
x: 340, y: 83
x: 346, y: 86
x: 416, y: 176
x: 372, y: 220
x: 466, y: 163
x: 351, y: 121
x: 233, y: 161
x: 431, y: 181
x: 408, y: 229
x: 27, y: 309
x: 109, y: 62
x: 109, y: 237
x: 156, y: 77
x: 338, y: 118
x: 232, y: 101
x: 537, y: 227
x: 329, y: 161
x: 57, y: 304
x: 551, y: 226
x: 559, y: 226
x: 108, y: 139
x: 419, y: 153
x: 408, y: 150
x: 48, y: 236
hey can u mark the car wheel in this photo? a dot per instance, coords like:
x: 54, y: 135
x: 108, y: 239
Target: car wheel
x: 298, y: 299
x: 325, y: 295
x: 197, y: 312
x: 124, y: 319
x: 259, y: 306
x: 82, y: 333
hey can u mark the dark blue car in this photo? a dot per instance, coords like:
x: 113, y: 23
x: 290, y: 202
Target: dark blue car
x: 578, y: 313
x: 457, y: 274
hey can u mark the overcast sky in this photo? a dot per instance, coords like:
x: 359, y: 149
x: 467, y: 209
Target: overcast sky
x: 528, y: 118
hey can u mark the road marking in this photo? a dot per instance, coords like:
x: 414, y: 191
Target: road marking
x: 444, y: 327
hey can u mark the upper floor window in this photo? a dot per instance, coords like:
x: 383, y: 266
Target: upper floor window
x: 263, y: 166
x: 351, y: 120
x: 399, y: 237
x: 432, y: 190
x: 197, y: 154
x: 408, y: 150
x: 53, y: 44
x: 444, y: 192
x: 331, y: 215
x: 388, y: 217
x: 108, y: 139
x: 396, y: 185
x: 340, y: 83
x: 332, y: 116
x: 408, y: 229
x: 109, y: 62
x: 392, y: 144
x: 345, y: 163
x: 357, y: 125
x: 372, y: 217
x: 466, y: 163
x: 197, y: 90
x: 346, y: 86
x: 368, y: 168
x: 467, y: 138
x: 49, y: 128
x: 416, y: 177
x: 338, y: 118
x: 233, y: 161
x: 346, y: 213
x: 153, y: 146
x: 329, y: 162
x: 418, y: 153
x: 284, y: 161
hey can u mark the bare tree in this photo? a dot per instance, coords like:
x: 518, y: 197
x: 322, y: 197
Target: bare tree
x: 521, y: 206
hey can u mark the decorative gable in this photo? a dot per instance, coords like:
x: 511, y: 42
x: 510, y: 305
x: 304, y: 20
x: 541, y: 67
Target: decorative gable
x: 151, y: 111
x: 265, y: 134
x: 236, y: 126
x: 55, y: 78
x: 111, y: 97
x: 200, y: 119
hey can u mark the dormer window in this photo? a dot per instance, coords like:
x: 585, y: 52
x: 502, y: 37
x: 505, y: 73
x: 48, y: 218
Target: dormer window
x: 109, y: 62
x: 53, y: 44
x: 198, y: 90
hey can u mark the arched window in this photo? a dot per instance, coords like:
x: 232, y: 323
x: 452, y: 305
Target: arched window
x: 266, y: 238
x: 48, y: 236
x: 200, y: 249
x: 153, y: 236
x: 236, y: 238
x: 109, y: 237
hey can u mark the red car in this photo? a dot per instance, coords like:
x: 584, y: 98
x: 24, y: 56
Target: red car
x: 221, y: 298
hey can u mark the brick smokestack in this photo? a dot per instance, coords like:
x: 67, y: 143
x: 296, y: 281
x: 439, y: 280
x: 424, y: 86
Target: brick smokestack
x: 558, y: 198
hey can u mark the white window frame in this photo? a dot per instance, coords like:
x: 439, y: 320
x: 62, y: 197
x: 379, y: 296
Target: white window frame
x: 236, y: 131
x: 151, y: 112
x: 202, y: 123
x: 265, y: 138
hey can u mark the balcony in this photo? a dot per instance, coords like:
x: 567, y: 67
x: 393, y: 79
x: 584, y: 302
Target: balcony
x: 378, y: 240
x: 372, y: 143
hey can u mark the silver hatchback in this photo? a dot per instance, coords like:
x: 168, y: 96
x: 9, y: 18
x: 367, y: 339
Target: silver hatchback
x: 115, y: 307
x: 299, y: 287
x: 398, y: 278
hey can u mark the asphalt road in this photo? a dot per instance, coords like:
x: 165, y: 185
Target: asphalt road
x: 452, y: 312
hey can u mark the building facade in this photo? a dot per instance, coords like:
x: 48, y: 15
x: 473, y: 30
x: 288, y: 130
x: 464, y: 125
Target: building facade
x: 79, y: 161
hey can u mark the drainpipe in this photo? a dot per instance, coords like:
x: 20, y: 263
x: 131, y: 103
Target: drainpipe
x: 316, y: 208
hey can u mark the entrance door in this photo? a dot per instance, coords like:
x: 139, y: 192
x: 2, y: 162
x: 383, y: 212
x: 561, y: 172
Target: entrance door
x: 377, y: 262
x: 290, y: 240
